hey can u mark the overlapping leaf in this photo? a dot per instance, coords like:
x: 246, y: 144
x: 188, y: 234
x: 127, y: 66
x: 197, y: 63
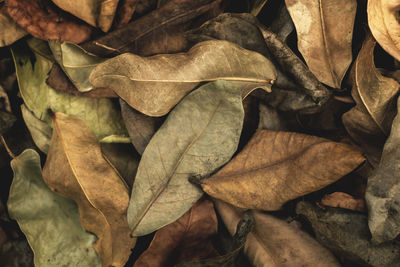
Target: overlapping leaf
x: 13, y: 32
x: 276, y: 167
x: 75, y: 168
x: 154, y: 85
x: 49, y: 221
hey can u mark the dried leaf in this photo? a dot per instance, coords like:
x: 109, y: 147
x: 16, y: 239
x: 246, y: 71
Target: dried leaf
x: 154, y: 85
x: 141, y: 128
x: 384, y: 24
x: 383, y: 194
x: 7, y: 119
x: 45, y: 21
x: 125, y: 12
x: 76, y: 63
x: 344, y: 201
x: 98, y: 13
x: 282, y: 25
x: 276, y: 167
x: 346, y: 233
x: 16, y: 253
x: 325, y: 32
x: 200, y: 134
x: 188, y: 238
x: 369, y: 122
x: 161, y: 31
x: 10, y: 32
x: 257, y: 6
x: 274, y: 242
x: 73, y: 161
x: 102, y: 115
x: 50, y: 222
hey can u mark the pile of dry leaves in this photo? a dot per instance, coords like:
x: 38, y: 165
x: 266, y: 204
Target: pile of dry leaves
x: 199, y: 133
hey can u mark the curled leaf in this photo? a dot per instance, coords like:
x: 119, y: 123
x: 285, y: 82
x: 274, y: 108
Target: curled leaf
x: 344, y: 201
x: 75, y: 168
x: 276, y: 167
x: 49, y: 221
x: 154, y: 85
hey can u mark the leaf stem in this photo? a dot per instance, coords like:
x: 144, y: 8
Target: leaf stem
x: 10, y: 153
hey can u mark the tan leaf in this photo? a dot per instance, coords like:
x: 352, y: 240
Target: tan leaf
x: 187, y: 239
x: 343, y: 200
x: 383, y: 20
x: 10, y: 32
x: 154, y: 85
x: 325, y: 31
x: 274, y: 242
x: 275, y: 167
x: 75, y: 168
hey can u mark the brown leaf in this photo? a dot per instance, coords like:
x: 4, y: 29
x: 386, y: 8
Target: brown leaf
x: 276, y: 167
x: 344, y: 201
x: 45, y: 21
x: 3, y: 238
x: 274, y: 242
x: 325, y: 31
x: 187, y: 239
x: 383, y: 20
x: 161, y: 31
x: 125, y: 12
x: 369, y: 122
x: 10, y: 32
x: 75, y: 168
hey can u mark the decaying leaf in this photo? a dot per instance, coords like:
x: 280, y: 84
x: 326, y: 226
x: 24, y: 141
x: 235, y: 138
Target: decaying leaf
x: 344, y: 201
x: 383, y: 20
x: 76, y: 63
x: 44, y: 21
x: 282, y: 25
x: 75, y: 168
x: 199, y: 135
x: 276, y: 167
x: 102, y: 115
x: 325, y: 31
x: 274, y: 242
x: 369, y: 122
x: 187, y: 239
x: 347, y: 234
x: 154, y: 85
x: 125, y: 11
x: 16, y: 253
x: 141, y: 128
x: 10, y: 32
x: 50, y: 222
x: 161, y: 31
x: 7, y: 119
x: 383, y: 190
x: 98, y: 13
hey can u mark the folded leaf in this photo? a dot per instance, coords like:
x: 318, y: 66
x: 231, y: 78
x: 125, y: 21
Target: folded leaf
x: 188, y: 238
x: 50, y: 222
x: 45, y: 21
x: 102, y: 115
x: 325, y: 32
x: 125, y: 12
x: 344, y: 201
x: 274, y: 242
x: 276, y: 167
x: 76, y: 63
x: 13, y: 32
x: 282, y: 25
x: 346, y: 233
x: 75, y: 168
x: 384, y: 24
x: 154, y: 85
x: 98, y: 13
x: 198, y: 136
x: 383, y: 190
x: 369, y: 122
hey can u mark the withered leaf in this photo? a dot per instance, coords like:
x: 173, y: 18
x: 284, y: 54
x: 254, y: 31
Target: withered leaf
x: 344, y: 201
x: 347, y: 234
x: 199, y: 135
x: 384, y: 24
x: 161, y: 31
x: 7, y: 119
x: 45, y: 21
x: 98, y: 13
x: 10, y: 32
x: 75, y: 168
x: 276, y: 167
x: 325, y: 32
x: 187, y: 239
x: 369, y: 122
x: 383, y: 194
x: 282, y: 25
x: 125, y: 12
x: 154, y: 85
x: 274, y: 242
x: 49, y: 221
